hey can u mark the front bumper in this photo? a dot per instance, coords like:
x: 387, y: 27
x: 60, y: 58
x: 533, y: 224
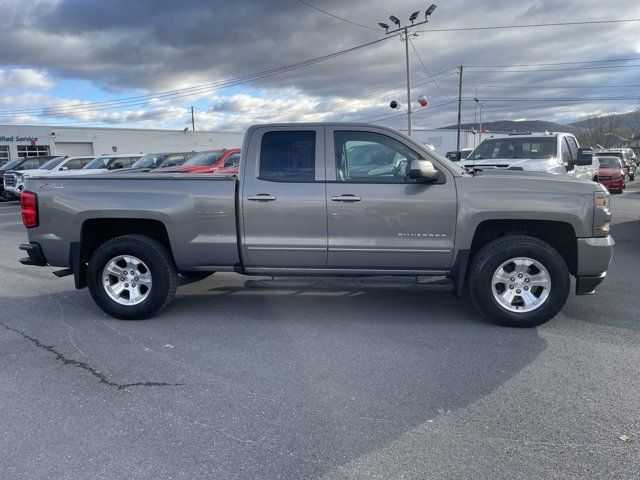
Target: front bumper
x: 594, y: 258
x: 613, y: 184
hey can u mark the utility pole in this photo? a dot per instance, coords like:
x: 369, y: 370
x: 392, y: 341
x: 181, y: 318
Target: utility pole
x: 404, y: 35
x: 459, y: 108
x: 193, y: 121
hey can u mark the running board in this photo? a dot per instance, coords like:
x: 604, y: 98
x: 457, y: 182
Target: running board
x: 351, y: 283
x: 63, y: 273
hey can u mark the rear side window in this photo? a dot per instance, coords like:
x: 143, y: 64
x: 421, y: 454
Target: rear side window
x: 288, y: 156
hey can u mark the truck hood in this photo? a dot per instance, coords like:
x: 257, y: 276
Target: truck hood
x: 535, y: 181
x: 528, y: 164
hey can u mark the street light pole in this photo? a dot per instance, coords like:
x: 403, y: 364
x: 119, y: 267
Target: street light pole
x: 404, y: 30
x: 406, y: 44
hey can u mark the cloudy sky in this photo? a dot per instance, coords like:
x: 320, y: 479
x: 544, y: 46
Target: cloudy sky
x: 144, y: 63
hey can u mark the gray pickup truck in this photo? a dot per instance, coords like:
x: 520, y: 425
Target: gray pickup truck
x: 327, y: 200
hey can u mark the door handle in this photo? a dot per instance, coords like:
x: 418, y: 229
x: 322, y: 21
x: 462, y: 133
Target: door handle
x: 261, y: 197
x: 346, y: 198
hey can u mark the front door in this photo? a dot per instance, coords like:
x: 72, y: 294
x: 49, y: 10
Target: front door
x: 378, y: 218
x: 283, y: 199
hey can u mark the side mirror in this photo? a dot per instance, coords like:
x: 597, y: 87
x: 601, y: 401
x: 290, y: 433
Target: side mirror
x: 423, y: 170
x: 455, y: 156
x: 584, y: 158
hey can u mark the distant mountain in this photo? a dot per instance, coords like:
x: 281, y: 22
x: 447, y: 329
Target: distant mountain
x: 629, y: 121
x: 624, y: 121
x: 521, y: 126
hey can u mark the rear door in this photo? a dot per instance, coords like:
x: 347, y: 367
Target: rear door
x: 378, y: 218
x: 284, y: 213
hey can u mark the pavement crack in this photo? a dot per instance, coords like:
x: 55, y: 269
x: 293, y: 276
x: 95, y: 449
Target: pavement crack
x: 85, y: 366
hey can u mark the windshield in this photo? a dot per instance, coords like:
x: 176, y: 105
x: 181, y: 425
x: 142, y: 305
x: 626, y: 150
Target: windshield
x: 204, y: 159
x: 53, y: 163
x: 609, y: 162
x: 544, y: 147
x: 12, y: 163
x: 100, y: 162
x: 152, y: 160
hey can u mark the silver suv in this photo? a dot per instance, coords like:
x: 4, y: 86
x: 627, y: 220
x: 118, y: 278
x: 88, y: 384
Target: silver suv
x: 540, y: 152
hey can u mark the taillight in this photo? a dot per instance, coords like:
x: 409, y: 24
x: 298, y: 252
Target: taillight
x: 29, y: 204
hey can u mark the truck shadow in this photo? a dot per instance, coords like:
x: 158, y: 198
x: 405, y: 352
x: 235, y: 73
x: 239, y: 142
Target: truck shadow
x: 344, y: 373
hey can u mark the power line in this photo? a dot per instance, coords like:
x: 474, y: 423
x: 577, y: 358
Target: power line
x: 533, y: 25
x: 549, y: 87
x: 601, y: 67
x: 337, y: 17
x: 426, y: 69
x: 633, y: 59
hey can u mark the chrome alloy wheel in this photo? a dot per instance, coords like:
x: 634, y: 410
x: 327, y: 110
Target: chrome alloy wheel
x: 127, y: 280
x: 521, y: 285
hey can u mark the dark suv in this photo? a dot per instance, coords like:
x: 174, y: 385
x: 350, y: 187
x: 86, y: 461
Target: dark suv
x: 22, y: 163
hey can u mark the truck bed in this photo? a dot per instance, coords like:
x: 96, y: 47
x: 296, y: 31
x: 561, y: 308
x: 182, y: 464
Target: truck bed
x: 199, y: 212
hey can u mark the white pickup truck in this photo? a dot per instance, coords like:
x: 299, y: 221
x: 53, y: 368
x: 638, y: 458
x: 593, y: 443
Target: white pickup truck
x: 535, y: 152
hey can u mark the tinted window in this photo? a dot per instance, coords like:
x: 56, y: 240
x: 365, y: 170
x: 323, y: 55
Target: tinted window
x: 29, y: 164
x: 98, y: 162
x: 74, y: 164
x: 573, y: 146
x: 288, y: 156
x: 53, y: 163
x: 515, y: 148
x: 371, y: 157
x: 173, y: 160
x: 232, y: 160
x: 204, y: 159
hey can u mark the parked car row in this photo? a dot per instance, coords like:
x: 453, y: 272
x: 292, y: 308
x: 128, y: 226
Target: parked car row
x: 15, y: 173
x: 617, y: 167
x: 557, y: 153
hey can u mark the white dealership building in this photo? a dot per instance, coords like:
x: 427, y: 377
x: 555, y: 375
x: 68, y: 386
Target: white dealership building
x: 33, y: 140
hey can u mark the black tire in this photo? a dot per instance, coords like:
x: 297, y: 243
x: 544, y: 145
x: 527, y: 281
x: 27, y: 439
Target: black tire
x: 195, y: 276
x: 161, y: 266
x: 494, y: 254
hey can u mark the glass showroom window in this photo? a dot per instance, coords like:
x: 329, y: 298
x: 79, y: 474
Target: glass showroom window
x: 33, y: 150
x: 4, y: 154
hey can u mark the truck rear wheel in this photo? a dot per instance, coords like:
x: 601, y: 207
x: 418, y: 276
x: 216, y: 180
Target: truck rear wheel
x: 132, y: 277
x: 519, y: 281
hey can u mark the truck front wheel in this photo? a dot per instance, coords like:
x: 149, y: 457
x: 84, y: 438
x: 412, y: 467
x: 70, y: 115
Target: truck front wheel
x: 132, y: 277
x: 519, y: 281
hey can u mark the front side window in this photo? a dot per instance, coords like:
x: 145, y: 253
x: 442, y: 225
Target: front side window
x: 288, y: 156
x: 74, y: 164
x: 151, y: 160
x: 565, y: 153
x: 98, y: 162
x: 204, y: 159
x: 53, y: 163
x: 232, y: 161
x: 174, y: 160
x: 371, y: 157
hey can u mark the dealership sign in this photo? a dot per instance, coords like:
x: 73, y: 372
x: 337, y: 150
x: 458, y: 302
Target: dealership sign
x: 14, y: 138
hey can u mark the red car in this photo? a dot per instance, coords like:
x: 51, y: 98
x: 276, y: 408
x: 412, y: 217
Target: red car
x: 611, y: 174
x: 219, y: 161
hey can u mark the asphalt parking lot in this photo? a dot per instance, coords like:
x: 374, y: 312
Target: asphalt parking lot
x: 232, y: 382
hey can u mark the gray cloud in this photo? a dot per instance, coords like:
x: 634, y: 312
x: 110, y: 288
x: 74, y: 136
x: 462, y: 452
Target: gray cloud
x: 158, y: 44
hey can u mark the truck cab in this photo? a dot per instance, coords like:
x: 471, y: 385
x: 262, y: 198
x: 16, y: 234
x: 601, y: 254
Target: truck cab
x: 554, y: 153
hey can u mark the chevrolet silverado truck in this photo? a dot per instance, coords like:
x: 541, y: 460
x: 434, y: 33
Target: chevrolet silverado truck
x: 333, y: 200
x: 555, y: 153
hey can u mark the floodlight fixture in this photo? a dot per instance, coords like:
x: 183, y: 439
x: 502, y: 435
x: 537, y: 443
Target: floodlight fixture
x: 395, y: 20
x: 431, y: 9
x: 413, y: 16
x: 384, y: 25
